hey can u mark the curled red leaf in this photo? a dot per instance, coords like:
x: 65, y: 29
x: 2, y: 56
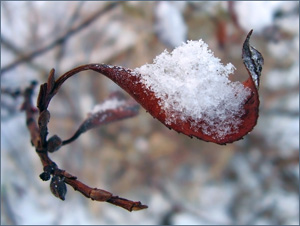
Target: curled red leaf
x: 131, y: 82
x: 236, y: 127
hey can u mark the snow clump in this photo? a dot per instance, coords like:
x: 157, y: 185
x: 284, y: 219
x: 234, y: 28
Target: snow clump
x: 193, y: 85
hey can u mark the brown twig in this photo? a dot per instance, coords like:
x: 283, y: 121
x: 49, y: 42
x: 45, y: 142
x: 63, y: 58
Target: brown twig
x: 59, y: 40
x: 17, y: 51
x: 39, y: 131
x: 60, y: 53
x: 13, y: 93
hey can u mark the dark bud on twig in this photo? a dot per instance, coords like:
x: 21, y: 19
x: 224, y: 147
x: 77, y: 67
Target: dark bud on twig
x: 54, y: 143
x: 44, y: 118
x: 58, y: 187
x: 45, y: 176
x: 50, y: 168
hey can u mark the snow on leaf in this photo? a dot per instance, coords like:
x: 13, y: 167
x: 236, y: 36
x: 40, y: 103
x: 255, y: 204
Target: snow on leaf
x: 114, y: 108
x: 108, y: 104
x: 188, y: 90
x: 192, y: 84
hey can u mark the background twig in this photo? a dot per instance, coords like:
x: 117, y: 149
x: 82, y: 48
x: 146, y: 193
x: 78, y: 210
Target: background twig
x: 58, y: 41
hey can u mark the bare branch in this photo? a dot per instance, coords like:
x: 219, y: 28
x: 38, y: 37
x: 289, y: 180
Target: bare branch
x: 11, y: 47
x: 58, y: 41
x: 38, y: 132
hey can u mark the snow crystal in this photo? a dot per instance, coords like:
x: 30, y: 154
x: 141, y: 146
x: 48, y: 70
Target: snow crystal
x: 193, y: 84
x: 107, y: 105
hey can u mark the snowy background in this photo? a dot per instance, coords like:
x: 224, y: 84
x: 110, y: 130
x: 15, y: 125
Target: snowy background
x: 182, y: 180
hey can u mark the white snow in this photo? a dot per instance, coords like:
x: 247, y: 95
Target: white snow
x: 256, y: 15
x: 108, y: 104
x: 193, y: 84
x: 170, y: 25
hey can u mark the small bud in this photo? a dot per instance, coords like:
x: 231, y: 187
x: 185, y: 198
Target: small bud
x: 54, y: 143
x: 50, y: 168
x: 58, y: 187
x: 100, y: 195
x: 51, y: 81
x: 44, y: 118
x: 45, y: 176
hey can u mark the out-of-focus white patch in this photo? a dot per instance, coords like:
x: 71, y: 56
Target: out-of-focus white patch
x: 281, y: 126
x: 170, y: 25
x: 256, y: 15
x: 282, y: 79
x: 211, y: 194
x: 187, y: 219
x: 281, y: 131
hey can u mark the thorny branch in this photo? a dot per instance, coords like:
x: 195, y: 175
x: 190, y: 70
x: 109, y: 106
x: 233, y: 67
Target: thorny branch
x: 39, y: 132
x: 59, y: 40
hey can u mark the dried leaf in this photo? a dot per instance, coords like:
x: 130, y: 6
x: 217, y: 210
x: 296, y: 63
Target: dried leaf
x: 237, y: 126
x: 114, y: 108
x: 253, y: 60
x: 42, y: 98
x: 51, y: 81
x: 131, y: 82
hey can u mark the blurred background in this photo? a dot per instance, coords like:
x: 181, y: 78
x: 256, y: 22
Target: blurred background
x: 182, y: 180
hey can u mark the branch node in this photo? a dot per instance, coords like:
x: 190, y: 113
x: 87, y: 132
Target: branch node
x: 44, y: 118
x: 54, y: 143
x: 100, y: 195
